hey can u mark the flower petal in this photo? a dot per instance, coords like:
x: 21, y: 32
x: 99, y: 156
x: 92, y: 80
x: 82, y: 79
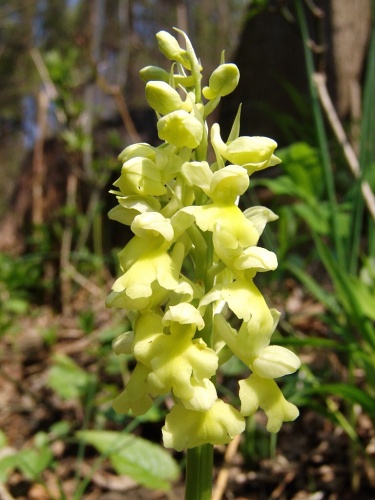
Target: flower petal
x: 256, y: 258
x: 162, y: 97
x: 275, y: 361
x: 258, y: 392
x: 204, y: 395
x: 186, y: 428
x: 180, y: 129
x: 135, y: 396
x: 245, y: 300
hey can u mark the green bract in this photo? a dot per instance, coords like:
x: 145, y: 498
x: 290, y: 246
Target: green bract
x: 193, y: 254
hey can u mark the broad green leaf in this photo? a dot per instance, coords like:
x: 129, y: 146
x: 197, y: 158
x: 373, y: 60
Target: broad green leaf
x: 66, y: 378
x: 145, y: 462
x: 33, y: 462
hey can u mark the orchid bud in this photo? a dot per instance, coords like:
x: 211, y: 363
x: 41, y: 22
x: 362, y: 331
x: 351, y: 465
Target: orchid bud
x: 141, y: 149
x: 153, y: 73
x: 275, y: 361
x: 222, y: 81
x: 162, y: 97
x: 180, y: 129
x: 170, y: 48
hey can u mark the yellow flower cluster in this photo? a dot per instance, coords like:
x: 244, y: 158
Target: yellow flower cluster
x: 194, y: 254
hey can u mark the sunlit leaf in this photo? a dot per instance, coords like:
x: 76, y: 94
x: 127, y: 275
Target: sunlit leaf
x: 145, y: 462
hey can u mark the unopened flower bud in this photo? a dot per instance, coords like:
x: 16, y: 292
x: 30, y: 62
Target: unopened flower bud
x: 222, y: 81
x: 180, y: 129
x: 141, y: 149
x: 169, y: 46
x: 275, y: 361
x: 162, y: 97
x: 154, y: 73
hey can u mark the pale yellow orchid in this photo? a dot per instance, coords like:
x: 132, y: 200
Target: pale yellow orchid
x: 193, y: 258
x: 178, y: 362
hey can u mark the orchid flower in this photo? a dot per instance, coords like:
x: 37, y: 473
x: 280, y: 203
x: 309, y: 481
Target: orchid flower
x: 193, y: 258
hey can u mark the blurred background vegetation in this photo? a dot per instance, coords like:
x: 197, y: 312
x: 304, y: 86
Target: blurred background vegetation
x: 71, y: 99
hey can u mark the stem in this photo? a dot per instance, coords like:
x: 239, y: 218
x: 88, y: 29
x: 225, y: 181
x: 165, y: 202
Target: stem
x: 199, y: 466
x: 199, y: 473
x: 321, y: 137
x: 367, y: 149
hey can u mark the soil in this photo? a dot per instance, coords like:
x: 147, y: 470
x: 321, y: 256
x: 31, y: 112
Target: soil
x: 311, y: 459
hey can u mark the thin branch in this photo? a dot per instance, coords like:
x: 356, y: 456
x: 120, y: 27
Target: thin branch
x: 39, y: 167
x: 223, y: 476
x: 66, y: 241
x: 116, y: 92
x: 48, y: 84
x: 83, y: 281
x: 351, y: 158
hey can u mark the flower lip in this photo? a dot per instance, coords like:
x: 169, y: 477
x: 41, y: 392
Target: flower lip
x: 218, y: 425
x: 152, y: 224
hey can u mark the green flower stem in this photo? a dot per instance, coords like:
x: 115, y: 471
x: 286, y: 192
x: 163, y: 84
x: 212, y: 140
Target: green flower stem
x: 199, y: 473
x: 199, y: 465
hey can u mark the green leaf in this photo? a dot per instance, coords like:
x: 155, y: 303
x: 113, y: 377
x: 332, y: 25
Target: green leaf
x: 349, y: 393
x: 66, y: 378
x: 147, y: 463
x: 282, y: 185
x: 365, y: 297
x: 7, y: 465
x: 302, y: 164
x: 315, y: 217
x: 326, y: 298
x: 317, y: 342
x: 33, y: 462
x: 233, y: 367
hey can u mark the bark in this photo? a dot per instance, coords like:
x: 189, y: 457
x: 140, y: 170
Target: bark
x: 273, y: 86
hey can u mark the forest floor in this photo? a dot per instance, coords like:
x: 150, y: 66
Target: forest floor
x: 312, y: 458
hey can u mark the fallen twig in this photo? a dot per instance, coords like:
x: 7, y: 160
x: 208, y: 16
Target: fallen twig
x: 325, y: 99
x: 223, y: 476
